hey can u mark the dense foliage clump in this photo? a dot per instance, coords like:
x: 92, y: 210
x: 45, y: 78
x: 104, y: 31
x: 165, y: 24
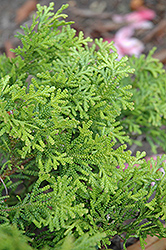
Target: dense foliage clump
x: 63, y: 150
x: 148, y: 118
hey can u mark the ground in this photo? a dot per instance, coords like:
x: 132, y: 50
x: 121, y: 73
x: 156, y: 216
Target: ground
x: 94, y: 18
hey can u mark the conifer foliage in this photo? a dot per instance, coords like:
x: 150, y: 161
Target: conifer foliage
x: 63, y: 150
x: 149, y: 116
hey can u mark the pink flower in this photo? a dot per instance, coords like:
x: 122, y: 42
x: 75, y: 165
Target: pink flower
x: 148, y: 159
x: 136, y: 16
x: 162, y: 171
x: 126, y: 166
x: 137, y: 19
x: 154, y: 158
x: 123, y: 40
x: 140, y: 15
x: 126, y: 44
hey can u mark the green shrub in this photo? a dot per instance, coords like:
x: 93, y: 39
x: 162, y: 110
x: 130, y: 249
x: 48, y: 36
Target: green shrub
x: 149, y: 115
x: 12, y: 238
x: 62, y: 171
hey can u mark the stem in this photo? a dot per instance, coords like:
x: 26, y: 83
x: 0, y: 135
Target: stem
x: 14, y: 169
x: 4, y: 186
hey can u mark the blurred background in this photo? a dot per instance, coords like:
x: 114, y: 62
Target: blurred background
x: 135, y: 26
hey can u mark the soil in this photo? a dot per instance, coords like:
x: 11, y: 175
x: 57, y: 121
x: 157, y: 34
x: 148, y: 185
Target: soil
x: 93, y: 17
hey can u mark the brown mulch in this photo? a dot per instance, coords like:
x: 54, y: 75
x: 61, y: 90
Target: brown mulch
x: 93, y: 17
x: 153, y: 243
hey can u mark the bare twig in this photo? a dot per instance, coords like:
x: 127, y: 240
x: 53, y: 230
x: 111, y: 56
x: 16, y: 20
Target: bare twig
x: 158, y: 31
